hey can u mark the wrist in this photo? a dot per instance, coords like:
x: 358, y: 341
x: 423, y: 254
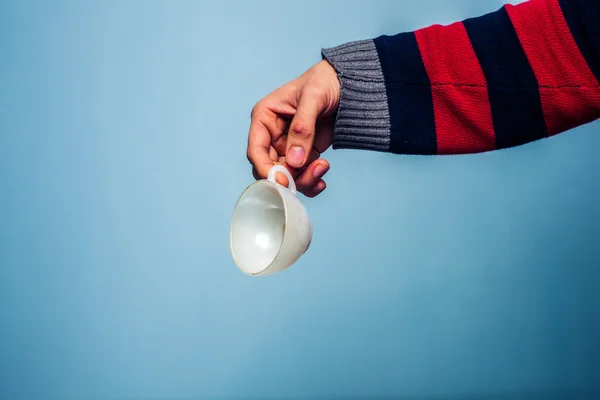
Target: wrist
x: 332, y: 83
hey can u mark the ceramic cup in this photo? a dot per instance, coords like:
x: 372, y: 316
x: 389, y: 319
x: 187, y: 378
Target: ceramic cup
x: 270, y: 228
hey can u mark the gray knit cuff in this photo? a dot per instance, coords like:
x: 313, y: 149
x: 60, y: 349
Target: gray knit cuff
x: 363, y: 117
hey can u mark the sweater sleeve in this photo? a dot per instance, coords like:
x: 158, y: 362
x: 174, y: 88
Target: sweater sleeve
x: 504, y: 79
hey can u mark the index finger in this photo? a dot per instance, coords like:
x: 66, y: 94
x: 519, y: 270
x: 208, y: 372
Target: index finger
x: 259, y: 143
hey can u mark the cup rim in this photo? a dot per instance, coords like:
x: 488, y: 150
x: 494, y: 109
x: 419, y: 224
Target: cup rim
x: 285, y: 210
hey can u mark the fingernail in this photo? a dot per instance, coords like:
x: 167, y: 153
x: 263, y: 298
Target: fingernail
x: 320, y: 170
x: 295, y: 156
x: 318, y: 188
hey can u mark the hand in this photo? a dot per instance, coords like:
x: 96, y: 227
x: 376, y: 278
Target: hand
x: 293, y: 125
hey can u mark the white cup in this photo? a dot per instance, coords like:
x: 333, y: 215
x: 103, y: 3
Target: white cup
x: 270, y: 228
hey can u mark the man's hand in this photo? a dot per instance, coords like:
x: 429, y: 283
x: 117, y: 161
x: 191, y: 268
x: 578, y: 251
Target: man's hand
x: 293, y: 125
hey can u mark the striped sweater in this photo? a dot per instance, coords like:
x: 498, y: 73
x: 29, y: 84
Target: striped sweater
x: 504, y: 79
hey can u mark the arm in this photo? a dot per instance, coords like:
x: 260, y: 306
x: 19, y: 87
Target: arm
x: 517, y: 75
x: 501, y: 80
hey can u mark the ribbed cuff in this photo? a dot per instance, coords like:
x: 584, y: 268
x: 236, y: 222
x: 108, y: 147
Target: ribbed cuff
x: 363, y: 117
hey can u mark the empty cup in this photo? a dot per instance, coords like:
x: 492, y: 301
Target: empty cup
x: 270, y: 228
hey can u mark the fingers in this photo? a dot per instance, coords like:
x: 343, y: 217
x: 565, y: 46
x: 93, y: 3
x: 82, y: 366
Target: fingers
x: 282, y: 179
x: 309, y: 182
x: 259, y: 145
x: 302, y: 129
x: 316, y: 190
x: 279, y: 177
x: 269, y: 122
x: 284, y: 130
x: 274, y: 156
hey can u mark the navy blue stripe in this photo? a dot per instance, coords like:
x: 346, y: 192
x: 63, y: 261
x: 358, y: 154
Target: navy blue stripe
x: 409, y: 95
x: 512, y: 86
x: 583, y: 18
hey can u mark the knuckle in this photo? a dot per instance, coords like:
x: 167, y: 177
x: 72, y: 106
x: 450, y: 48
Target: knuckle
x: 291, y: 87
x: 257, y: 109
x: 301, y: 130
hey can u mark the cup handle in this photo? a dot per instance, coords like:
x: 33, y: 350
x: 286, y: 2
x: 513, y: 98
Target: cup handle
x: 280, y: 168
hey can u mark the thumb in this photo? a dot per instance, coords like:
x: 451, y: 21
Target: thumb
x: 302, y: 130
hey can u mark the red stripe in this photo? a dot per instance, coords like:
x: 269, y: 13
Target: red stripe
x: 569, y: 90
x: 463, y: 116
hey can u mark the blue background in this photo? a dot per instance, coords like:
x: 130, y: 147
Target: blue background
x: 122, y: 152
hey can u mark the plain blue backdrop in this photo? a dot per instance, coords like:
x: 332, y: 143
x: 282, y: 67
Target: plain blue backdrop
x: 123, y: 127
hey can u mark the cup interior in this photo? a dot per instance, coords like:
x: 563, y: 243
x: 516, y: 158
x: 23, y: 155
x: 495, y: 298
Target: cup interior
x: 257, y: 227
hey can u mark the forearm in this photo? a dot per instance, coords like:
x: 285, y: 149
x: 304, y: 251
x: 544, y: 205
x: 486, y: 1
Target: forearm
x: 504, y: 79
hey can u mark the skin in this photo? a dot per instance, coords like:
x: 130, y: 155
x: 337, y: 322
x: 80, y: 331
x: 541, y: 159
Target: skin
x: 293, y: 126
